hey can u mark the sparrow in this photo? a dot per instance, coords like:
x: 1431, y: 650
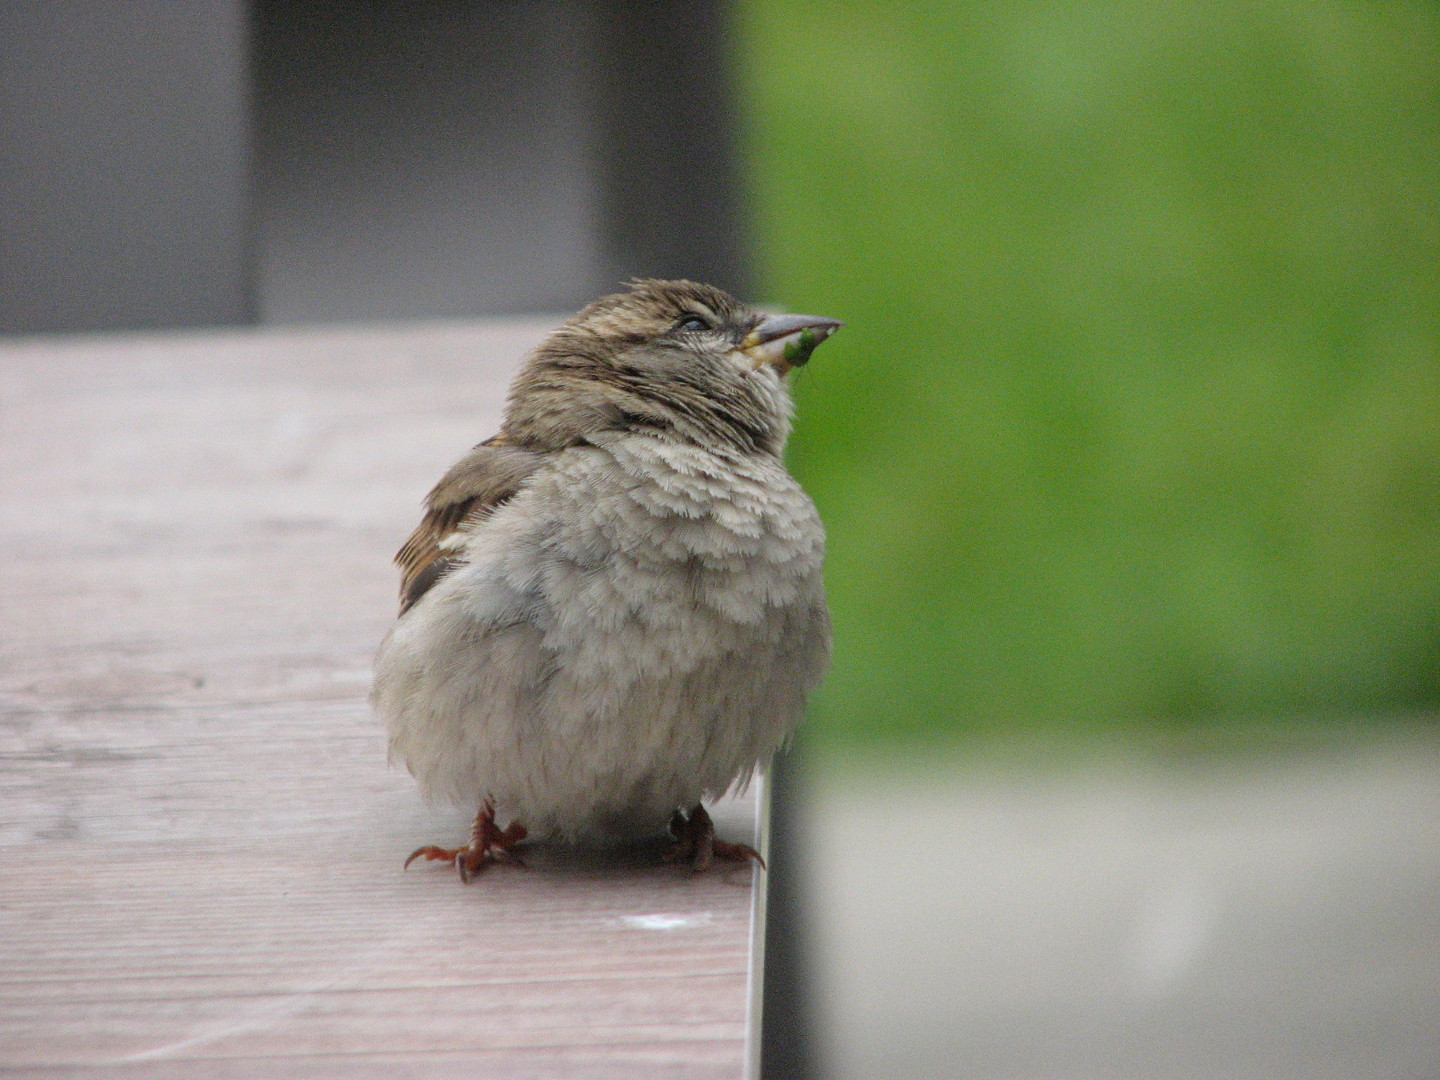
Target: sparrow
x: 613, y: 609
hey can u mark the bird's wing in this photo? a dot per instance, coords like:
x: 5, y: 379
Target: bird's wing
x: 482, y: 480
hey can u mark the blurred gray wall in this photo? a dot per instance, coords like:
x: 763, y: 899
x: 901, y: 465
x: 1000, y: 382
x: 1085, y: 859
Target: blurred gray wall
x: 124, y: 193
x: 422, y: 159
x: 666, y: 126
x: 220, y: 162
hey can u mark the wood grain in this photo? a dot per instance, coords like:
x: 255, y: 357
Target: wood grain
x: 202, y: 841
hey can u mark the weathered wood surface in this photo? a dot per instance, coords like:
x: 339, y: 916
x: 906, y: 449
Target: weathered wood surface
x: 203, y: 843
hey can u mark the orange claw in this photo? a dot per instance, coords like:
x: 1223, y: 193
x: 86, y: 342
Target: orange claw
x: 432, y: 852
x: 488, y: 844
x: 695, y: 840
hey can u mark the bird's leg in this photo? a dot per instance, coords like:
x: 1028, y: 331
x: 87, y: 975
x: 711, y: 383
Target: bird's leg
x: 695, y: 840
x: 488, y: 843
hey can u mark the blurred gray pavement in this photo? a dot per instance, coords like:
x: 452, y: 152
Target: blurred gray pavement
x: 1212, y: 916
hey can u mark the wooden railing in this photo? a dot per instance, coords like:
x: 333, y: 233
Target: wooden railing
x: 202, y: 873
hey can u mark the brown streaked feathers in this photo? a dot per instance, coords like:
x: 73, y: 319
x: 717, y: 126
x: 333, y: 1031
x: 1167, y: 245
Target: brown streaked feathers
x: 473, y: 487
x: 575, y: 384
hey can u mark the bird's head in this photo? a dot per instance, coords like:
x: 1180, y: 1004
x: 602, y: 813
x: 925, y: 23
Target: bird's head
x: 682, y: 360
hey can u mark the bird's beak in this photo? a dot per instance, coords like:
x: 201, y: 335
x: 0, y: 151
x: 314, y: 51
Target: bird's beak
x: 786, y: 341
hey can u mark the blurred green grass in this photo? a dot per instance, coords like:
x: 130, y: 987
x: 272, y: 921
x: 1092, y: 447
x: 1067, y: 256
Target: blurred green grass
x: 1136, y: 418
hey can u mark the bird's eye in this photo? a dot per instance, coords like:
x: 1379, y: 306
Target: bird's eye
x: 693, y: 324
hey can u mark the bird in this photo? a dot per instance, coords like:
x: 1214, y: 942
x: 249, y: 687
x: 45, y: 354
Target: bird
x: 613, y: 610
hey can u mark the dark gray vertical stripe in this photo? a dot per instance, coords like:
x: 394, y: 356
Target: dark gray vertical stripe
x: 788, y: 1045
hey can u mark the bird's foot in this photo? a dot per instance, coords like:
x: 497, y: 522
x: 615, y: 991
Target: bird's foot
x: 488, y: 843
x: 696, y: 842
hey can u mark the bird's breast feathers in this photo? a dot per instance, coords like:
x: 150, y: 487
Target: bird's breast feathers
x: 678, y: 547
x: 642, y: 619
